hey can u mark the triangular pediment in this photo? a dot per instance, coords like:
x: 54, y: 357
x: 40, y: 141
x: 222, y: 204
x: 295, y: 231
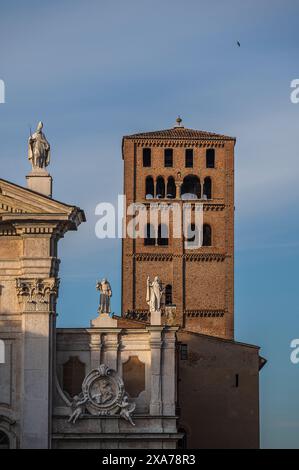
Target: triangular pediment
x: 19, y: 203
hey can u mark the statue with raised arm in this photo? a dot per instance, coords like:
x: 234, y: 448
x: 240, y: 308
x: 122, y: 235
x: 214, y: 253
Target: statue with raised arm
x: 154, y: 294
x: 105, y: 294
x: 38, y: 149
x: 78, y: 407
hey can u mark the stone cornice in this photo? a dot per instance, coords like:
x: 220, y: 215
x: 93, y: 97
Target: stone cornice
x: 172, y: 143
x: 171, y: 256
x: 7, y: 230
x: 204, y: 256
x: 18, y: 204
x: 204, y: 313
x: 207, y: 205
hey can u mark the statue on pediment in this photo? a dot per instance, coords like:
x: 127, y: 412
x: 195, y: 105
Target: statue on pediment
x: 38, y: 149
x: 154, y: 294
x: 105, y: 295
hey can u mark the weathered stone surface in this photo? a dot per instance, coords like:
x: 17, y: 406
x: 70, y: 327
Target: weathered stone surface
x: 30, y: 227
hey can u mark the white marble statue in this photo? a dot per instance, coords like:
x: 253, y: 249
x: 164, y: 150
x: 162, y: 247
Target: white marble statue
x: 38, y: 149
x: 154, y: 294
x: 105, y: 294
x: 126, y: 409
x: 78, y: 408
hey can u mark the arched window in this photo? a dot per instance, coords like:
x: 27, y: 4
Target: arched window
x: 168, y: 158
x: 192, y: 237
x: 168, y: 294
x: 210, y: 158
x: 171, y: 188
x: 207, y: 188
x: 149, y: 187
x: 191, y: 233
x: 162, y: 235
x: 150, y: 235
x: 73, y: 376
x: 189, y: 158
x: 2, y: 352
x: 4, y: 440
x: 190, y: 188
x: 146, y: 157
x: 160, y: 187
x: 207, y: 235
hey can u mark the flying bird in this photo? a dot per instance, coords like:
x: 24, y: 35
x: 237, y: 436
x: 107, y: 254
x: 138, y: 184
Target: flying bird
x: 238, y: 44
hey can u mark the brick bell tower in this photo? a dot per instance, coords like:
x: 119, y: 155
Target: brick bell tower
x: 181, y: 165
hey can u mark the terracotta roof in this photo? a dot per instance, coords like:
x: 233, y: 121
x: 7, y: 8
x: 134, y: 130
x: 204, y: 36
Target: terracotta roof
x: 179, y: 132
x: 128, y: 323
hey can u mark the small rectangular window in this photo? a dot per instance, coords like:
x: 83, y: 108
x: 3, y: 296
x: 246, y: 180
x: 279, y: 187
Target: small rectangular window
x: 189, y: 158
x: 210, y: 158
x: 184, y: 352
x: 237, y: 380
x: 168, y: 158
x: 146, y: 157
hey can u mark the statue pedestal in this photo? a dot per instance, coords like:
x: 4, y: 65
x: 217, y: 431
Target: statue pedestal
x: 156, y: 318
x: 104, y: 321
x: 40, y: 181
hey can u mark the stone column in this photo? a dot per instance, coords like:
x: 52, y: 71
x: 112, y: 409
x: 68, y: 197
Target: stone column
x: 156, y: 383
x: 95, y: 349
x: 111, y: 345
x: 37, y: 298
x: 169, y: 372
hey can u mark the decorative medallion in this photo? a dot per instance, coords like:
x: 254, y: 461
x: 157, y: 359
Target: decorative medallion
x: 103, y: 394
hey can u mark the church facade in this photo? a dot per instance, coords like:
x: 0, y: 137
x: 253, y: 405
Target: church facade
x: 166, y: 372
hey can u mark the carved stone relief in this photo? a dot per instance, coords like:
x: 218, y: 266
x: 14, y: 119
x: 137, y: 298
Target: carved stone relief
x: 37, y: 294
x: 103, y: 394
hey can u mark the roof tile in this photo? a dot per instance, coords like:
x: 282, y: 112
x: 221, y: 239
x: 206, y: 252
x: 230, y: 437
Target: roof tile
x: 179, y: 132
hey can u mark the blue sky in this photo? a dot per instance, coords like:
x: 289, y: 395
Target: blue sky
x: 95, y: 71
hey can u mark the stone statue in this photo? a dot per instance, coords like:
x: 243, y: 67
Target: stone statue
x: 154, y: 294
x: 105, y: 294
x: 126, y: 409
x: 38, y: 149
x: 78, y: 408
